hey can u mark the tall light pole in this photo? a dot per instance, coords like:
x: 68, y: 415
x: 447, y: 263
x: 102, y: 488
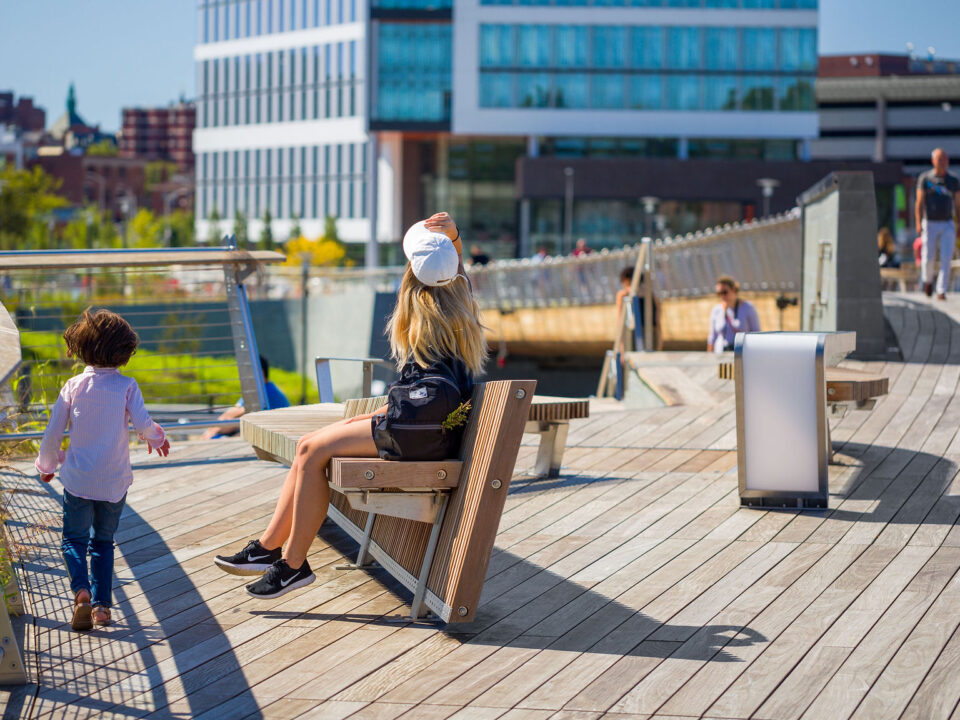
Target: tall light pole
x: 568, y: 210
x: 649, y: 203
x: 767, y: 186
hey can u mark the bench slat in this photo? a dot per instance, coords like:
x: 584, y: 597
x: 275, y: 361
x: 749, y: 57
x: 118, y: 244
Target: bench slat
x: 350, y: 474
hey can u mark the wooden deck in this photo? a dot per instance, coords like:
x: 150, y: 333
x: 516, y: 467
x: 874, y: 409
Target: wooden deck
x: 633, y: 586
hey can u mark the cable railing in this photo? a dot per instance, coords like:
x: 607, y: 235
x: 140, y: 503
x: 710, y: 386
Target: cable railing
x: 763, y: 255
x: 197, y: 352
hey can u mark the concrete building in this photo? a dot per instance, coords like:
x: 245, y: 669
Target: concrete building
x: 296, y: 98
x: 888, y: 108
x: 164, y: 133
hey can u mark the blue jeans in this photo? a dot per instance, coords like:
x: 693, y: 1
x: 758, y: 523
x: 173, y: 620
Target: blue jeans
x: 79, y: 517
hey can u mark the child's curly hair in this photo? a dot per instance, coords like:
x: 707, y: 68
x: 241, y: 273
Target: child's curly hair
x: 101, y: 338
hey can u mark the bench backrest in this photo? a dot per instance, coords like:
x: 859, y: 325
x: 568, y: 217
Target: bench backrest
x: 490, y: 446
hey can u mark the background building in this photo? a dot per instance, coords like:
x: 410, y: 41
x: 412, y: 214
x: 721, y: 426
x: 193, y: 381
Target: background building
x: 467, y: 105
x: 22, y: 114
x: 164, y: 134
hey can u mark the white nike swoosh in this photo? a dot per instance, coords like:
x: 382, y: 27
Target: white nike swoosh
x: 284, y: 584
x: 257, y: 557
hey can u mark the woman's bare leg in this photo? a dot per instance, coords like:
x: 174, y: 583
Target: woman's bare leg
x: 278, y: 530
x: 311, y: 492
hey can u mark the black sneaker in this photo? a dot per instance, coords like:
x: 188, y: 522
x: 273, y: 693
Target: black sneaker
x: 254, y: 559
x: 281, y: 579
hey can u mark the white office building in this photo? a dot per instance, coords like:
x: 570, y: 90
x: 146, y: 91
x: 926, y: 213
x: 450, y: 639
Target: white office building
x: 458, y: 98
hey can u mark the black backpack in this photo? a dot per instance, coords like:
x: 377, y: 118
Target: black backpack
x: 417, y: 406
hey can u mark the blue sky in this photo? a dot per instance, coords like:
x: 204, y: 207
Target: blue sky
x: 139, y: 52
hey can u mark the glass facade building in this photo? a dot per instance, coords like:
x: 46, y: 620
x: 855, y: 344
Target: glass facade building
x: 297, y: 97
x: 613, y: 67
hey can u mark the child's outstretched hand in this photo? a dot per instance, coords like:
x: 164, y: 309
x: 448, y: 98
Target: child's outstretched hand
x: 46, y: 477
x: 162, y: 450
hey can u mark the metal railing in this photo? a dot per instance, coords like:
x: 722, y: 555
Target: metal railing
x: 197, y: 352
x: 763, y: 255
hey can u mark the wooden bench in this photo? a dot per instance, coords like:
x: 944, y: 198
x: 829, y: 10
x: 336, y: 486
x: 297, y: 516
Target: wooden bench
x: 843, y: 385
x: 431, y: 525
x: 274, y: 436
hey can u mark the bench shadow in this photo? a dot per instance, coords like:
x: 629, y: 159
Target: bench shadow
x: 545, y: 610
x: 910, y: 485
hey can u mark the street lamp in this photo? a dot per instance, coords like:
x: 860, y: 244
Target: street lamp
x: 568, y: 207
x: 102, y: 182
x: 168, y: 198
x: 767, y: 186
x: 649, y: 203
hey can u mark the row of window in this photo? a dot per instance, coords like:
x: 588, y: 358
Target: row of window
x: 648, y: 47
x: 746, y: 4
x: 607, y: 91
x: 305, y: 83
x: 308, y: 182
x: 232, y: 19
x: 413, y: 72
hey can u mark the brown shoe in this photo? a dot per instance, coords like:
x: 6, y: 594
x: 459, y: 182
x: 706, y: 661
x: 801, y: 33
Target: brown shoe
x: 928, y: 289
x: 941, y: 296
x: 101, y: 615
x: 82, y: 612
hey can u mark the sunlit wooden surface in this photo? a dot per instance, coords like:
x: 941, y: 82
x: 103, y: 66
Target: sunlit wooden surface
x: 633, y: 585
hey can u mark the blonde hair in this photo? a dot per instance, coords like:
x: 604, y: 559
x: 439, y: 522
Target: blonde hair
x: 885, y: 241
x: 429, y: 323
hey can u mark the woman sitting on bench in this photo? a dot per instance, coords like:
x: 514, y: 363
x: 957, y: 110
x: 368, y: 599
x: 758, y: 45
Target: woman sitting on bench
x: 435, y: 335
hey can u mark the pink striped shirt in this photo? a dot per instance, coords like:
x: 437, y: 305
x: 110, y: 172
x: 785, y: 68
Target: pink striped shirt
x: 96, y: 404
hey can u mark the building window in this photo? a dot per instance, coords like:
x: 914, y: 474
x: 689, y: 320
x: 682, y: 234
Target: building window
x: 646, y: 92
x: 683, y: 48
x: 683, y: 92
x: 759, y: 49
x: 722, y: 49
x: 570, y: 90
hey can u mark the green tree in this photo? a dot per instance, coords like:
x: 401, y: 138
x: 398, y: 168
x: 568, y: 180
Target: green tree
x: 90, y: 228
x: 213, y: 229
x: 102, y: 148
x: 182, y: 230
x: 330, y: 229
x: 266, y: 234
x: 144, y: 230
x: 295, y: 231
x: 240, y: 230
x: 158, y: 171
x: 27, y: 200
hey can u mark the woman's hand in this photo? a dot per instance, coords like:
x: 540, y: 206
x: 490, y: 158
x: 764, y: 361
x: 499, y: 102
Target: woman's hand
x: 443, y: 223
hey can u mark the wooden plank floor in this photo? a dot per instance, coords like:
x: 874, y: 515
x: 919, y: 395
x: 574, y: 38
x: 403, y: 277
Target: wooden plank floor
x: 633, y: 586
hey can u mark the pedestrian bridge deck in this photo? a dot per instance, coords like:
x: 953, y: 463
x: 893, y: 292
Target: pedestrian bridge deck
x: 633, y: 585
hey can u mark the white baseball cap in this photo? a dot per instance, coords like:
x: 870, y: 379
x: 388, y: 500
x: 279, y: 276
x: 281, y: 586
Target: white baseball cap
x: 432, y: 256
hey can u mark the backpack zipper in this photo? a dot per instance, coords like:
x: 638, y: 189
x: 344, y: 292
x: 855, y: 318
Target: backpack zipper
x: 448, y: 381
x: 416, y: 426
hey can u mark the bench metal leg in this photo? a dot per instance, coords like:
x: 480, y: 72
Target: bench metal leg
x: 417, y: 609
x: 364, y: 545
x: 553, y: 441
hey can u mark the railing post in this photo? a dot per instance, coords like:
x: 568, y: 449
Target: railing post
x: 648, y: 296
x: 241, y: 326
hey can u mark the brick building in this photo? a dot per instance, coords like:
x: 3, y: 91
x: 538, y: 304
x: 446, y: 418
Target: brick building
x: 160, y: 134
x: 22, y: 114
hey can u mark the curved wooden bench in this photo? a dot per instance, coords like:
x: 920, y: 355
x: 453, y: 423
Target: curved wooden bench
x: 431, y: 525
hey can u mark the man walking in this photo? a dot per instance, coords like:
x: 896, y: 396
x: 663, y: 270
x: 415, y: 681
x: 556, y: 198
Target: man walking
x: 938, y: 198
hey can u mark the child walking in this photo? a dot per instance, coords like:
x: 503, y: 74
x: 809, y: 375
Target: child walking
x: 95, y: 470
x: 436, y: 336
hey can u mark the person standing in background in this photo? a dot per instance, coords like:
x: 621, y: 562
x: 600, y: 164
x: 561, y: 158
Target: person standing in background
x: 938, y: 197
x: 730, y: 316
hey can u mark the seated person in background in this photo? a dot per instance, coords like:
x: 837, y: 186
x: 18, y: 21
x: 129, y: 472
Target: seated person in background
x: 626, y: 278
x: 275, y: 399
x: 730, y: 316
x: 478, y: 256
x: 887, y: 249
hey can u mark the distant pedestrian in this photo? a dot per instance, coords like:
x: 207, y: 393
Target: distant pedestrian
x: 95, y: 471
x: 540, y: 255
x: 478, y: 256
x: 581, y: 248
x: 275, y: 399
x: 730, y: 316
x: 634, y: 309
x: 938, y: 198
x: 887, y: 249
